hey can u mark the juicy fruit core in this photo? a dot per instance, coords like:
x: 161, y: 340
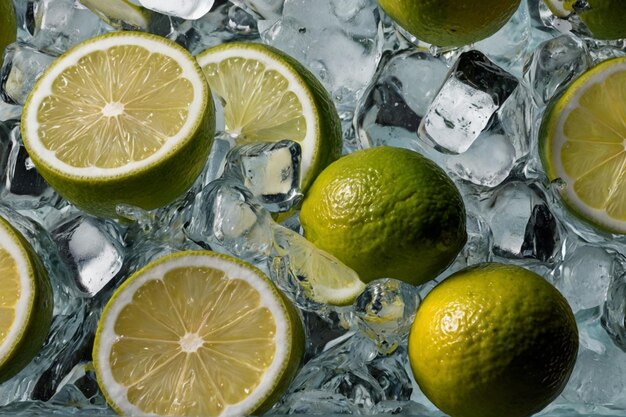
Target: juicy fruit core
x: 594, y: 154
x: 192, y: 342
x: 114, y: 107
x: 258, y: 105
x: 10, y: 293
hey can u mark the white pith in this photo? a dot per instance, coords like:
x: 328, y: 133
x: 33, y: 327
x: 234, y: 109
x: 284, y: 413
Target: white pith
x: 24, y: 304
x: 295, y: 85
x: 558, y: 141
x: 43, y: 89
x: 118, y: 393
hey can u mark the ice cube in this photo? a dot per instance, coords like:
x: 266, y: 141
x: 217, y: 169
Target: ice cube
x: 186, y: 9
x: 477, y: 249
x: 522, y: 224
x: 314, y: 402
x: 322, y: 329
x: 614, y: 318
x: 340, y: 43
x: 402, y: 408
x: 227, y: 218
x: 80, y: 388
x: 21, y: 67
x: 390, y: 111
x: 270, y: 170
x: 554, y: 64
x: 385, y: 312
x: 61, y: 24
x: 586, y: 273
x: 93, y: 250
x: 473, y: 91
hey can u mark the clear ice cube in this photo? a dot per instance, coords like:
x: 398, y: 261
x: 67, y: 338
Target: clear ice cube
x: 391, y: 109
x: 93, y: 250
x: 61, y: 24
x: 554, y: 64
x: 586, y: 273
x: 21, y: 67
x: 474, y: 90
x: 270, y: 170
x: 338, y: 41
x: 314, y: 402
x: 614, y: 318
x: 385, y: 311
x: 227, y: 218
x: 80, y: 388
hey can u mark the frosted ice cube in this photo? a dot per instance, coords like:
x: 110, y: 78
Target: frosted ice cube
x: 270, y: 170
x: 314, y: 402
x: 80, y: 388
x: 21, y: 67
x: 474, y: 90
x: 186, y: 9
x: 93, y: 250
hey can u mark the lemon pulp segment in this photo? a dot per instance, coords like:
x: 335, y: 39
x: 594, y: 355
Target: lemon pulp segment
x: 105, y: 112
x: 258, y: 105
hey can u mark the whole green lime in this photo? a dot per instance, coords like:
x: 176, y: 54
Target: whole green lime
x: 8, y: 29
x: 386, y: 212
x: 493, y: 340
x: 450, y: 22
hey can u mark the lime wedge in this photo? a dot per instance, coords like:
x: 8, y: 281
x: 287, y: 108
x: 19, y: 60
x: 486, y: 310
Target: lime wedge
x: 121, y: 118
x: 197, y: 334
x: 25, y: 302
x: 583, y: 143
x: 269, y: 96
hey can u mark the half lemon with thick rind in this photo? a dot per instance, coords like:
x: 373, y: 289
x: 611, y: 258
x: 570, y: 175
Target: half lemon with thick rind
x: 269, y: 96
x: 121, y: 118
x: 197, y: 334
x: 582, y: 143
x: 25, y: 302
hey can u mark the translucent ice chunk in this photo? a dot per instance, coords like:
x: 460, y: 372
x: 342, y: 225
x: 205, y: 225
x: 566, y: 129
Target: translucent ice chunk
x: 391, y: 109
x: 554, y: 64
x: 61, y: 24
x: 614, y: 318
x: 21, y: 67
x: 92, y: 249
x: 226, y: 218
x: 586, y: 273
x: 385, y: 311
x: 270, y: 170
x: 80, y: 388
x: 314, y: 402
x: 474, y: 90
x: 345, y: 60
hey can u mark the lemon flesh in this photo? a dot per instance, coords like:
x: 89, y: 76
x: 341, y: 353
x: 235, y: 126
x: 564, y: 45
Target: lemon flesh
x: 196, y: 334
x: 583, y: 143
x: 493, y: 340
x: 25, y: 302
x: 269, y: 96
x: 450, y: 22
x: 122, y: 118
x: 386, y: 213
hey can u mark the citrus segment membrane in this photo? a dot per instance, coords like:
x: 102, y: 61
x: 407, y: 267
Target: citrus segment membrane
x: 194, y: 334
x: 585, y: 134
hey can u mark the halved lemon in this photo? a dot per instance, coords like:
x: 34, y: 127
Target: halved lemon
x: 583, y: 143
x: 25, y: 302
x: 121, y: 118
x: 197, y: 334
x: 269, y: 96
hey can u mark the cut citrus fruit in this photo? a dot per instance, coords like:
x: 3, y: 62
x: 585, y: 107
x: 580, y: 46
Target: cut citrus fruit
x: 121, y: 118
x: 120, y: 13
x: 583, y: 143
x: 197, y: 334
x: 269, y: 96
x: 25, y: 302
x: 323, y: 277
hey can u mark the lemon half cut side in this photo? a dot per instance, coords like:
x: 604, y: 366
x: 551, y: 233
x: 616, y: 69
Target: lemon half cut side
x: 25, y: 302
x: 121, y: 118
x: 582, y: 142
x: 197, y: 334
